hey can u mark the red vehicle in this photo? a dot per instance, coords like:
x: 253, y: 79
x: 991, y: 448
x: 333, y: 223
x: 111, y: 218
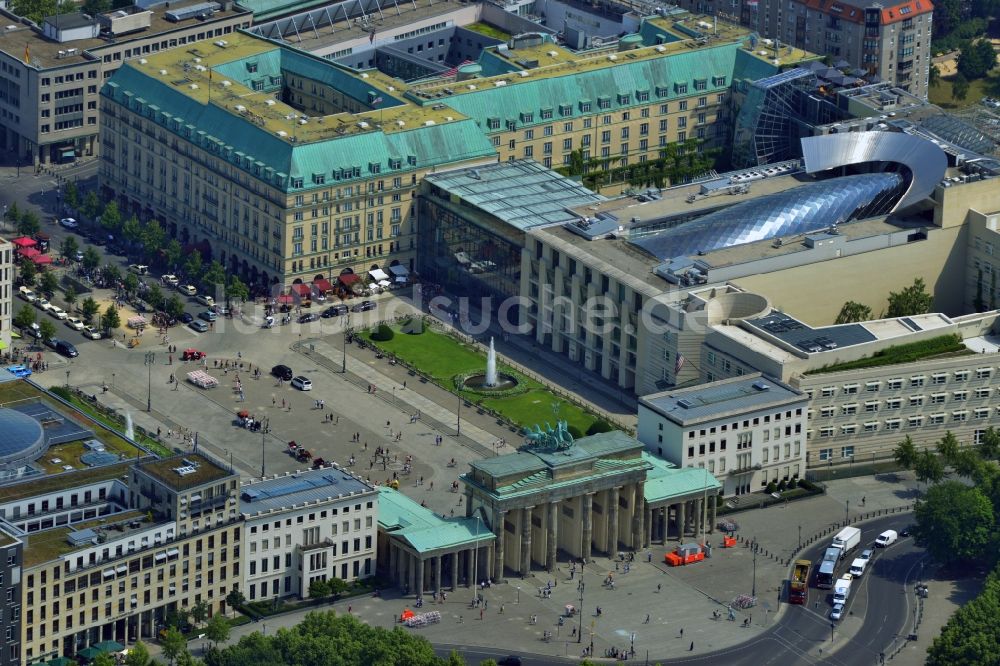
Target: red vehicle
x: 302, y: 455
x: 798, y: 584
x: 319, y: 462
x: 192, y: 355
x: 687, y: 553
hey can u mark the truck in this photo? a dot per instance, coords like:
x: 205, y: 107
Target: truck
x: 827, y: 569
x: 798, y: 585
x: 846, y: 540
x: 687, y: 553
x: 842, y: 589
x: 858, y: 567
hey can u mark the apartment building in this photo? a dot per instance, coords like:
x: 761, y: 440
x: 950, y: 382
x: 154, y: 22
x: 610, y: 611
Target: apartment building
x: 304, y: 526
x: 747, y: 431
x: 888, y: 40
x: 289, y: 167
x: 7, y: 258
x: 11, y: 563
x: 110, y: 550
x: 50, y: 75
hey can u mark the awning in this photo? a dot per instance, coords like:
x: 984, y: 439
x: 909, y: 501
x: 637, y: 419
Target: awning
x: 285, y: 298
x: 121, y: 568
x: 384, y: 283
x: 301, y: 289
x: 196, y: 498
x: 108, y: 573
x: 173, y: 552
x: 42, y: 259
x: 347, y: 279
x: 24, y: 241
x: 378, y: 274
x: 28, y: 252
x: 399, y: 270
x: 68, y: 152
x: 323, y: 285
x: 159, y: 557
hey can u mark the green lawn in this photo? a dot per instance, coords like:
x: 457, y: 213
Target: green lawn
x: 443, y: 358
x: 489, y: 31
x: 940, y: 93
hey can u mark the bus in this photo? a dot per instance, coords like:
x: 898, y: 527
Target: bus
x: 826, y: 572
x: 798, y: 586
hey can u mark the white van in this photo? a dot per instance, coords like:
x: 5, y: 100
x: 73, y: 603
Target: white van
x: 858, y: 567
x: 886, y: 539
x: 205, y: 300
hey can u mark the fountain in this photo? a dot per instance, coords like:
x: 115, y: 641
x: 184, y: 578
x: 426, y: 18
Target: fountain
x: 129, y: 430
x: 491, y: 366
x: 491, y: 380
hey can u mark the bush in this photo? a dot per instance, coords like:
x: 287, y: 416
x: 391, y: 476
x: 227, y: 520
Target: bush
x: 413, y: 326
x: 383, y: 333
x: 771, y: 487
x: 782, y: 486
x: 793, y: 483
x: 599, y: 426
x: 573, y: 430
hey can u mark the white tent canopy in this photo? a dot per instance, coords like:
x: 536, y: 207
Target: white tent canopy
x: 378, y: 274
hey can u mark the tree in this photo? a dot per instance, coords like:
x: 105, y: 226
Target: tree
x: 153, y: 237
x: 948, y: 448
x: 954, y: 522
x: 934, y: 76
x: 928, y: 468
x: 173, y: 644
x: 91, y: 258
x: 236, y: 290
x: 214, y: 276
x: 989, y: 444
x: 174, y: 306
x: 318, y: 589
x: 71, y: 193
x: 235, y: 599
x: 967, y: 463
x: 28, y: 225
x: 186, y: 659
x: 336, y: 587
x: 959, y: 87
x: 103, y: 659
x: 95, y: 7
x: 48, y: 283
x: 131, y: 230
x: 178, y: 618
x: 25, y: 317
x: 47, y: 329
x: 912, y: 300
x: 27, y: 271
x: 111, y: 274
x: 91, y: 205
x: 69, y: 247
x: 138, y: 655
x: 172, y: 252
x: 111, y: 218
x: 69, y: 295
x: 155, y: 296
x: 217, y: 630
x: 976, y: 59
x: 110, y: 319
x: 13, y: 213
x: 853, y: 312
x: 972, y: 635
x: 199, y: 612
x: 905, y: 453
x: 89, y: 308
x: 193, y: 266
x: 131, y: 284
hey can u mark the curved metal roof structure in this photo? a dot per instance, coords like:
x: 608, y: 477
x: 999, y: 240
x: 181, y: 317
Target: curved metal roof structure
x: 21, y: 437
x: 796, y: 211
x: 925, y: 161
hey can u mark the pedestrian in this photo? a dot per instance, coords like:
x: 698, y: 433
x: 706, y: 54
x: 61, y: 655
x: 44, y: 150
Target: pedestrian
x: 682, y: 632
x: 658, y: 586
x: 480, y: 614
x: 349, y: 610
x: 647, y: 619
x: 691, y: 649
x: 501, y: 609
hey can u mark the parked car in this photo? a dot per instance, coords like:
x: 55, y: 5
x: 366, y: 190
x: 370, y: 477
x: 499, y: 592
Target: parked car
x: 199, y: 326
x: 33, y: 331
x: 92, y: 333
x: 186, y: 318
x: 208, y: 315
x: 169, y: 280
x: 307, y: 318
x: 19, y: 370
x: 78, y: 256
x: 335, y: 311
x: 364, y: 306
x: 138, y: 269
x: 302, y: 383
x: 27, y: 294
x: 58, y: 312
x: 187, y: 289
x: 837, y: 612
x: 65, y: 348
x: 205, y: 300
x: 282, y: 372
x: 43, y: 304
x: 75, y: 323
x: 69, y: 223
x: 192, y: 355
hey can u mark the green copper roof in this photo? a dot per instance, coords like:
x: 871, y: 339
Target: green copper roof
x: 664, y: 481
x: 585, y: 449
x: 423, y: 529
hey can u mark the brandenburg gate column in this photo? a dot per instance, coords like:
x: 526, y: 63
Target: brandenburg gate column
x: 498, y: 531
x: 526, y: 540
x: 552, y: 537
x: 612, y: 521
x: 638, y: 500
x: 587, y: 501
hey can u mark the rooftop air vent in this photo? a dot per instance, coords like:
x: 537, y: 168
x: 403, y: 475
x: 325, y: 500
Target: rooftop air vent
x: 163, y: 72
x: 240, y: 108
x: 226, y: 84
x: 760, y: 385
x: 194, y: 86
x: 269, y: 102
x: 685, y: 403
x: 142, y: 61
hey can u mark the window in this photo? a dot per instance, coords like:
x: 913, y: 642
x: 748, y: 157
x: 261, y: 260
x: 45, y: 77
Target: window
x: 893, y: 403
x: 871, y: 406
x: 894, y: 384
x: 983, y: 373
x: 983, y: 392
x: 849, y: 429
x: 850, y: 389
x: 827, y: 412
x: 959, y: 395
x: 825, y: 454
x: 939, y: 378
x: 826, y: 431
x: 937, y: 398
x: 850, y: 409
x: 981, y: 413
x: 935, y: 419
x: 961, y: 375
x: 828, y: 391
x: 959, y: 416
x: 872, y: 387
x: 916, y: 400
x: 892, y: 424
x: 917, y: 382
x: 915, y: 421
x: 871, y: 426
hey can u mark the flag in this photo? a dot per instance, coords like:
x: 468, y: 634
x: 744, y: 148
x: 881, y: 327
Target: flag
x: 371, y: 37
x: 377, y: 100
x: 194, y: 449
x: 27, y: 54
x: 678, y: 364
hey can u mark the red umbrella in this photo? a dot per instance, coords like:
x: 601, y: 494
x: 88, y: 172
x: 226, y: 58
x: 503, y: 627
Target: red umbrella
x: 28, y: 252
x: 42, y: 259
x: 285, y: 298
x: 24, y: 241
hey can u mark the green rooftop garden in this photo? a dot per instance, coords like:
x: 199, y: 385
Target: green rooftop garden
x: 446, y: 360
x: 944, y: 345
x: 489, y: 31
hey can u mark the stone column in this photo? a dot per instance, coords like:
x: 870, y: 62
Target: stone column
x: 679, y: 509
x: 437, y: 574
x: 612, y: 543
x: 647, y: 527
x: 419, y: 590
x: 712, y: 508
x: 455, y: 561
x: 526, y: 540
x: 638, y: 509
x: 412, y: 570
x: 704, y: 515
x: 664, y: 517
x: 468, y: 502
x: 392, y: 564
x: 587, y: 501
x: 469, y: 566
x: 552, y: 537
x: 498, y: 531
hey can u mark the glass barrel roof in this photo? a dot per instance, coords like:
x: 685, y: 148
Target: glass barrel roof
x: 799, y: 210
x: 19, y: 434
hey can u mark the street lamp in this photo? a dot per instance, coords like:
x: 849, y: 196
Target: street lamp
x: 67, y: 379
x: 800, y: 537
x: 579, y: 634
x: 518, y: 595
x: 753, y: 591
x: 847, y: 511
x: 347, y: 327
x: 458, y: 425
x: 150, y: 359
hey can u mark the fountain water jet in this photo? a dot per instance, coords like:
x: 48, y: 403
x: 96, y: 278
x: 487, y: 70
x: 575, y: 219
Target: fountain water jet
x: 129, y: 429
x: 491, y: 366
